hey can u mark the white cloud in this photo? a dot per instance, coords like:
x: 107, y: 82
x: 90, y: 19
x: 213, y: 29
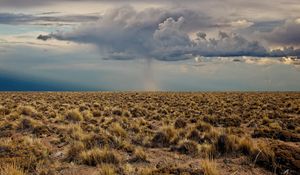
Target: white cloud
x: 242, y: 23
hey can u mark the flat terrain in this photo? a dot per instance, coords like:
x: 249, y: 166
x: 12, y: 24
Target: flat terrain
x: 149, y: 133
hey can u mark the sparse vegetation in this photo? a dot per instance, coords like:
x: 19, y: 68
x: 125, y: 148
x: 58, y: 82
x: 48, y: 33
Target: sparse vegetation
x: 149, y: 133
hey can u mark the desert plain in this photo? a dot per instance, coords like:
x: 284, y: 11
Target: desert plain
x: 140, y: 133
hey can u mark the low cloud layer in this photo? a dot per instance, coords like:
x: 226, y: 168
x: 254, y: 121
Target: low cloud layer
x: 15, y: 19
x: 125, y: 33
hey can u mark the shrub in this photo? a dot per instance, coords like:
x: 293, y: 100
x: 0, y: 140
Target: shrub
x: 74, y: 115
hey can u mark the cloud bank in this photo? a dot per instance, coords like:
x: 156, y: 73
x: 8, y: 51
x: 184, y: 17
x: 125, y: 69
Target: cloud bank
x: 15, y: 19
x: 125, y: 33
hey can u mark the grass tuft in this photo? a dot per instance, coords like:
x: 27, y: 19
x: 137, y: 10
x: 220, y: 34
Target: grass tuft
x: 209, y: 167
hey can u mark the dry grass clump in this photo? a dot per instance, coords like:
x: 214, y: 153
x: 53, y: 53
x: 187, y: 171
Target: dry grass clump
x: 188, y: 147
x: 180, y: 123
x: 87, y: 115
x: 264, y: 156
x: 164, y: 137
x: 74, y: 115
x: 117, y: 111
x: 98, y: 156
x: 196, y: 136
x: 275, y: 125
x: 209, y: 167
x: 139, y: 155
x: 212, y: 135
x: 11, y: 169
x: 74, y: 131
x: 74, y: 150
x: 226, y: 144
x: 207, y: 150
x: 146, y: 171
x: 4, y: 111
x: 117, y: 129
x: 27, y: 110
x: 27, y: 124
x: 25, y: 152
x: 246, y: 146
x: 203, y: 126
x: 107, y: 169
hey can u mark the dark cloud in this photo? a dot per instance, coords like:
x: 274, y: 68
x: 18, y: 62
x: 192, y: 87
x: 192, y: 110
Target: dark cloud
x: 125, y: 33
x: 11, y: 18
x: 286, y: 34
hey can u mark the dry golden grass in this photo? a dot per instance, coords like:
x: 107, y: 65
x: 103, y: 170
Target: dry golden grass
x: 11, y: 169
x: 209, y: 167
x: 98, y: 156
x: 74, y: 115
x: 149, y: 133
x: 107, y: 169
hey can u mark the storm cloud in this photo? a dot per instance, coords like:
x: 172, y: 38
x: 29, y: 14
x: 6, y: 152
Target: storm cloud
x: 125, y: 33
x: 286, y: 34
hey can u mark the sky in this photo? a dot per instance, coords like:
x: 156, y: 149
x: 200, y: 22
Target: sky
x: 145, y: 45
